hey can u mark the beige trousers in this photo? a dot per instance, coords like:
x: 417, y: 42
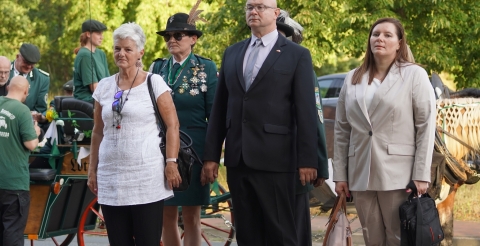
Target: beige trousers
x: 379, y: 216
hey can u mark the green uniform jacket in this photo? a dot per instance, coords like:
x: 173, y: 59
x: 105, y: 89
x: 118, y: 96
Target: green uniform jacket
x: 322, y: 171
x: 83, y: 76
x: 193, y: 109
x: 37, y: 94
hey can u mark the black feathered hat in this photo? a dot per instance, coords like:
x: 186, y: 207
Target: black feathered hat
x: 182, y: 22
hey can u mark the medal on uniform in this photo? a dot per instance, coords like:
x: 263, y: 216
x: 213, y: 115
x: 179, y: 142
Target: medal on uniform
x: 184, y: 85
x: 194, y: 80
x: 203, y: 78
x: 203, y: 88
x: 194, y: 92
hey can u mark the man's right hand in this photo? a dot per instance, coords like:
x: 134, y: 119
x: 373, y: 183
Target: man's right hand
x: 209, y: 172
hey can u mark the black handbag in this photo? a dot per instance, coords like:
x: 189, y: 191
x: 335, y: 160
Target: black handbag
x: 420, y: 223
x: 186, y: 154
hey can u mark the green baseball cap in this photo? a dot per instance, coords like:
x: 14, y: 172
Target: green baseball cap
x: 30, y: 53
x: 93, y: 26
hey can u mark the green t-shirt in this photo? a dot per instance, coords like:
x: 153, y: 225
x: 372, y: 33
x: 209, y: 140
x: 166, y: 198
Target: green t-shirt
x: 82, y: 72
x: 16, y: 127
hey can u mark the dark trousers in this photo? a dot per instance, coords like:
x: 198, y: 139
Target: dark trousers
x: 134, y: 224
x: 14, y: 206
x: 263, y: 205
x: 302, y: 219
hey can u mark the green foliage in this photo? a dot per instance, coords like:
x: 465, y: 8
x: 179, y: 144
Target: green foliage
x: 443, y: 35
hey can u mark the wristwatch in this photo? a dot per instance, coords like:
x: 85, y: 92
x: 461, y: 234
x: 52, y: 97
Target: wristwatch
x: 172, y: 160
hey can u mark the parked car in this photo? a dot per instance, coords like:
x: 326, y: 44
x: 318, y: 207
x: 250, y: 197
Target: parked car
x: 330, y: 86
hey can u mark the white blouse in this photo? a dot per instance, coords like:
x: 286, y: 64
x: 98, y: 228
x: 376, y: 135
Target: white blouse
x: 370, y: 92
x: 131, y: 165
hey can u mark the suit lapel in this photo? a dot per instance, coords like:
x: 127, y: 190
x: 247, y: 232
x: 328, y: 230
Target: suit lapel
x: 360, y: 96
x: 239, y: 62
x: 392, y: 77
x: 274, y: 54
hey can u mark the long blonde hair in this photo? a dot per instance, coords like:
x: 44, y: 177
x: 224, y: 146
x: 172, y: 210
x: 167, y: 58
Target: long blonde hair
x: 369, y: 61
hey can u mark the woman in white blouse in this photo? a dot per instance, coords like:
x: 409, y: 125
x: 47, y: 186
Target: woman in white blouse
x: 384, y: 132
x: 126, y: 165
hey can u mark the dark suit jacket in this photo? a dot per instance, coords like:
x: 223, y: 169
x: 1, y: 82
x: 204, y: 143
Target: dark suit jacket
x: 259, y: 124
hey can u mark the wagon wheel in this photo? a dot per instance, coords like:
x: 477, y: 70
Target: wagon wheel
x: 66, y: 241
x: 87, y: 224
x: 220, y: 209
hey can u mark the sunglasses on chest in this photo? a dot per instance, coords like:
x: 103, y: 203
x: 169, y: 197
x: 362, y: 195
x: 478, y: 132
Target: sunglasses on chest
x: 117, y: 102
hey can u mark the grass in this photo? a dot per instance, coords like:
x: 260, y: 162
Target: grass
x: 467, y: 200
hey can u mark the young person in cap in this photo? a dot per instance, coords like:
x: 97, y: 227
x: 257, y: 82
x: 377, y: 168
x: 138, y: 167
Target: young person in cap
x: 39, y: 80
x: 90, y: 65
x: 4, y: 74
x: 18, y: 136
x: 193, y: 80
x: 293, y: 31
x: 264, y: 111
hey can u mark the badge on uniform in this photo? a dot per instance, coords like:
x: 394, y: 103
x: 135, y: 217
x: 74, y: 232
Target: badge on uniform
x: 184, y: 85
x: 318, y: 105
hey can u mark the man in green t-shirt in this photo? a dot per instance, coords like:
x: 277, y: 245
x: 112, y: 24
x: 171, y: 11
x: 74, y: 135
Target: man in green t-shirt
x: 90, y: 65
x: 18, y: 135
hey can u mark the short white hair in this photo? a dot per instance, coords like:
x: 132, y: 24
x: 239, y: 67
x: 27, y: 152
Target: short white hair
x: 132, y: 31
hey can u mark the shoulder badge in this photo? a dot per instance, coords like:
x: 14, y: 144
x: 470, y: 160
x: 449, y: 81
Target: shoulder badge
x: 45, y: 73
x: 201, y: 57
x: 160, y: 59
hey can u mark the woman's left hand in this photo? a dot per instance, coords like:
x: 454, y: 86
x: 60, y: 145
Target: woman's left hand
x: 172, y: 175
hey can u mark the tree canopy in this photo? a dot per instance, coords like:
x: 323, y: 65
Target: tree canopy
x: 443, y: 35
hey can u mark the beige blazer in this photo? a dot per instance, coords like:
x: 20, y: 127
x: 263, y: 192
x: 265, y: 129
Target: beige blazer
x: 387, y: 145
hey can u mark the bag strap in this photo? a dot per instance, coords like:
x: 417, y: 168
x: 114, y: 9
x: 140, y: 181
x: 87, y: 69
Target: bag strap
x: 340, y: 204
x: 413, y: 187
x: 186, y: 139
x: 155, y: 106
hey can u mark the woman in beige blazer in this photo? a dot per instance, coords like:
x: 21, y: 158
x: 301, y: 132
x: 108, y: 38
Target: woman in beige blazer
x: 384, y: 132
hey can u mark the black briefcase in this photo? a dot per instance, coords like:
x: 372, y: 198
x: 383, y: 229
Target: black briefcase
x: 420, y: 221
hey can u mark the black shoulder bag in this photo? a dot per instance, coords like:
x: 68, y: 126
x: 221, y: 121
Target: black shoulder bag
x: 420, y: 221
x: 186, y: 154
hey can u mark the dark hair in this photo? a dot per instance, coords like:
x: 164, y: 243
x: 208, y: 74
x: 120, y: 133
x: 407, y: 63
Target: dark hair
x: 83, y: 42
x: 369, y: 62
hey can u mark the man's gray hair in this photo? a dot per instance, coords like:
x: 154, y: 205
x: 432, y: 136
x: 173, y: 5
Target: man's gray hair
x: 132, y: 31
x: 297, y: 36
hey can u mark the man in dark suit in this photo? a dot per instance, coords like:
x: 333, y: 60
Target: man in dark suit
x: 264, y: 109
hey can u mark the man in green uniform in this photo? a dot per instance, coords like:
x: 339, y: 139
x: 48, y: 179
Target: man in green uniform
x: 90, y: 65
x: 18, y: 135
x: 4, y: 74
x: 292, y: 30
x: 39, y: 80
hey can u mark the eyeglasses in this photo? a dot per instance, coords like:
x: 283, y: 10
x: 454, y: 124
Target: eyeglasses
x: 258, y: 8
x: 117, y: 102
x: 177, y: 36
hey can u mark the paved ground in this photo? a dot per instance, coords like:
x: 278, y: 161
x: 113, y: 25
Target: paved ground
x: 465, y: 234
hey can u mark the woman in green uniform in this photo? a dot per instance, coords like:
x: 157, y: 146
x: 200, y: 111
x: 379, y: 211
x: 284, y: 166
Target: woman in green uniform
x: 90, y: 65
x: 193, y: 80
